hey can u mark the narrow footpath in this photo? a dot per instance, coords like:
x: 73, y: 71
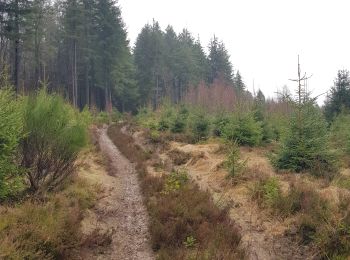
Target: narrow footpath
x: 120, y: 211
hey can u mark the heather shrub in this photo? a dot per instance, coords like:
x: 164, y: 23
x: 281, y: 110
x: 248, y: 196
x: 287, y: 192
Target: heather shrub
x: 48, y: 229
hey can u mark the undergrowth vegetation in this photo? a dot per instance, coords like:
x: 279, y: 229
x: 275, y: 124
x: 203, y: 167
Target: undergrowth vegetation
x: 40, y: 138
x: 320, y: 222
x: 193, y: 124
x: 11, y: 132
x: 296, y: 140
x: 46, y: 228
x: 55, y: 133
x: 41, y: 201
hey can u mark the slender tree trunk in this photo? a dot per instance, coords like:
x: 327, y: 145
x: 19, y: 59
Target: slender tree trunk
x: 156, y: 93
x: 16, y: 62
x: 75, y: 79
x: 37, y: 59
x: 87, y: 86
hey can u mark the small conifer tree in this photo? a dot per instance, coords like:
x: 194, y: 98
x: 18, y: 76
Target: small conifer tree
x: 306, y: 146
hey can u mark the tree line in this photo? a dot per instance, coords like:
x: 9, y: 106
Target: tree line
x: 79, y: 48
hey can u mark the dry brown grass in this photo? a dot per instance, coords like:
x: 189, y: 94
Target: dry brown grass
x: 45, y: 228
x: 179, y: 157
x: 320, y: 222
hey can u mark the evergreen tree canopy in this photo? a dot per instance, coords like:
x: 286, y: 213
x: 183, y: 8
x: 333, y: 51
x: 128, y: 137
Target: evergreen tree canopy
x: 339, y: 97
x: 238, y: 83
x: 306, y: 146
x: 167, y: 63
x: 219, y: 62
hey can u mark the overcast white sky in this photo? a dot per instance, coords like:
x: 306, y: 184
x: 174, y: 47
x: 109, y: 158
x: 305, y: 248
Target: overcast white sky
x: 262, y: 37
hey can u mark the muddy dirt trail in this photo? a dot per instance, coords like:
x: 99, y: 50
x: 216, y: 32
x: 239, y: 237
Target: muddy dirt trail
x: 119, y: 213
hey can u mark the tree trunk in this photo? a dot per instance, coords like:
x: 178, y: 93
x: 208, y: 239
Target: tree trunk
x: 16, y: 62
x: 75, y: 79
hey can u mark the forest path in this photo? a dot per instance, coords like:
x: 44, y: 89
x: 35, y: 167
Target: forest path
x: 120, y: 211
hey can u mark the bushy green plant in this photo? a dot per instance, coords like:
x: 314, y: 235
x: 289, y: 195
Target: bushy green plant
x: 190, y: 242
x: 115, y: 115
x: 146, y: 118
x: 279, y: 126
x: 55, y: 133
x: 267, y: 191
x: 11, y: 131
x: 234, y: 163
x: 166, y: 117
x: 200, y: 125
x: 306, y: 147
x: 244, y: 129
x: 340, y: 133
x: 268, y: 132
x: 219, y: 123
x: 163, y: 124
x: 178, y: 125
x: 175, y: 181
x: 102, y: 118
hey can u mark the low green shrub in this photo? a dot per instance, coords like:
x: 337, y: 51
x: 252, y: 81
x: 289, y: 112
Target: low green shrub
x: 220, y: 121
x: 175, y: 181
x: 178, y: 125
x: 102, y: 118
x: 11, y: 131
x: 115, y: 115
x: 267, y: 192
x: 146, y: 118
x: 163, y: 124
x: 200, y: 125
x: 167, y: 116
x: 243, y: 129
x: 234, y: 163
x: 340, y: 134
x: 55, y: 133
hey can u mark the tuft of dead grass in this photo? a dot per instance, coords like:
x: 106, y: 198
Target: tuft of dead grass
x: 179, y: 157
x: 319, y: 222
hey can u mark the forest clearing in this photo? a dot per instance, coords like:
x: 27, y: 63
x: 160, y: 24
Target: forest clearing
x: 133, y: 141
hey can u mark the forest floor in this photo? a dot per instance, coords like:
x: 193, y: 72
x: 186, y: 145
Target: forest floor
x: 118, y: 224
x: 263, y: 236
x: 121, y: 219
